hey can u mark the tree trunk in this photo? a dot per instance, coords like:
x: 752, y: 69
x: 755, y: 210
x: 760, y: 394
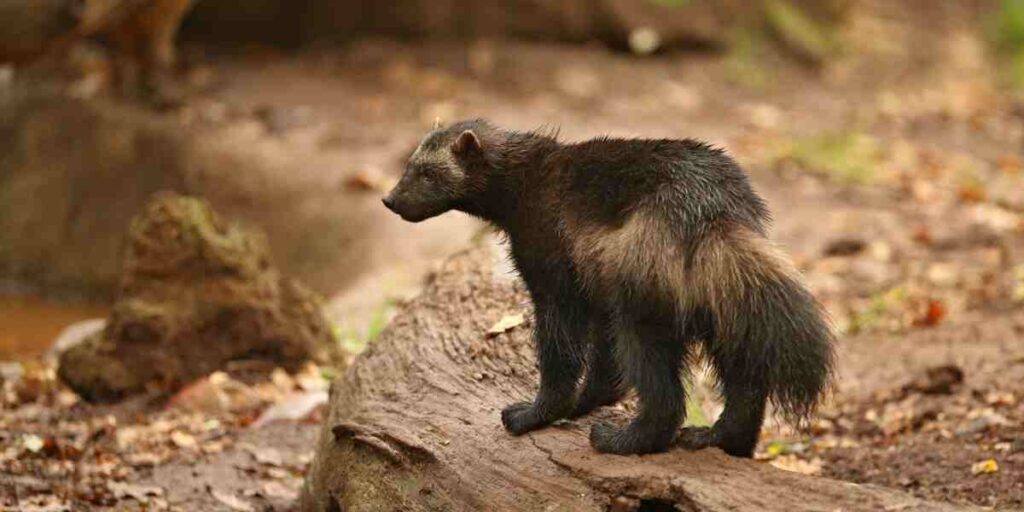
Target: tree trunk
x: 704, y: 22
x: 414, y: 425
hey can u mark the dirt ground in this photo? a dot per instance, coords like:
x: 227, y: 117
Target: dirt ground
x: 896, y: 179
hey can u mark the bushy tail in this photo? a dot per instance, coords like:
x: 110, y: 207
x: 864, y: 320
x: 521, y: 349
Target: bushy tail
x: 788, y: 332
x: 771, y: 336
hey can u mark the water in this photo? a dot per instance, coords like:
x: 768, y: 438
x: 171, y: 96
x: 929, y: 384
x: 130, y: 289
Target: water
x: 29, y: 325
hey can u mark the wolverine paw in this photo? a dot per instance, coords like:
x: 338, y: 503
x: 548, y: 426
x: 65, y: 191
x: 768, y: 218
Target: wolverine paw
x: 522, y: 417
x: 696, y: 438
x: 607, y: 438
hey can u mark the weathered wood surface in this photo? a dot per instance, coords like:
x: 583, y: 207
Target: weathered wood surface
x: 414, y: 425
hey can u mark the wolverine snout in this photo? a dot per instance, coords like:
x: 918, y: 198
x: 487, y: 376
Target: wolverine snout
x: 409, y: 211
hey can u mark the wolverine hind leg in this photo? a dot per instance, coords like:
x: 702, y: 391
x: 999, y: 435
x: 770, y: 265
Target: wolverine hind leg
x: 651, y: 357
x: 742, y: 383
x: 737, y: 430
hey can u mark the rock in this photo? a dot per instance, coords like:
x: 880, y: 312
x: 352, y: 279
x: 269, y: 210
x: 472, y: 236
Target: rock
x: 74, y: 334
x: 845, y: 246
x: 937, y: 380
x: 1017, y: 446
x: 196, y: 292
x: 985, y: 421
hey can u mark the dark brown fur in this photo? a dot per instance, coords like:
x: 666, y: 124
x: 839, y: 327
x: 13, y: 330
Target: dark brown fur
x: 634, y: 252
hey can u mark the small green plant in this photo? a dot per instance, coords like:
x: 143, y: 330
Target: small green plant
x: 328, y: 373
x: 673, y: 3
x: 1006, y: 32
x: 354, y: 340
x: 801, y: 33
x: 847, y: 157
x: 880, y: 305
x: 698, y: 390
x: 1008, y: 25
x: 694, y: 413
x: 745, y: 61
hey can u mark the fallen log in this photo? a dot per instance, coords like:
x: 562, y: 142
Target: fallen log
x: 414, y: 425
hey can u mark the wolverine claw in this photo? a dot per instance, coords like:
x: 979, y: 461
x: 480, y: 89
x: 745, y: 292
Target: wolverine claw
x: 696, y: 438
x: 522, y: 417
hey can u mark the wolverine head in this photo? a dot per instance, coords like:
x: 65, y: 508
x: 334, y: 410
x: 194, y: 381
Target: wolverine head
x: 440, y: 173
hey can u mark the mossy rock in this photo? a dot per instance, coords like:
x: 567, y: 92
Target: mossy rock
x: 195, y: 293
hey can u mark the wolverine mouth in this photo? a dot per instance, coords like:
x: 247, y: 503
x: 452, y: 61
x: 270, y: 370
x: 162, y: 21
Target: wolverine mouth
x: 413, y: 218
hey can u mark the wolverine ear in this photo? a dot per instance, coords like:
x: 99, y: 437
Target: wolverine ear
x: 437, y: 124
x: 466, y: 143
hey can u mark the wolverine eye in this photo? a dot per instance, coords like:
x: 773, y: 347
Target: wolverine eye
x: 430, y: 172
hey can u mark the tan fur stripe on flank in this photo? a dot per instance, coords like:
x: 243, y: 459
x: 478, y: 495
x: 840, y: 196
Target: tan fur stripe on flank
x: 641, y: 253
x: 644, y: 253
x: 729, y: 265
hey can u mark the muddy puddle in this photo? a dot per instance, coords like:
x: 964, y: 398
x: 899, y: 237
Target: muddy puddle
x: 29, y: 325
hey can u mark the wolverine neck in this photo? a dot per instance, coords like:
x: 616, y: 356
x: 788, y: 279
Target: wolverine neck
x: 511, y: 158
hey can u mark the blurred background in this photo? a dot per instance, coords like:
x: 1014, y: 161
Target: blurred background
x: 887, y: 136
x: 881, y: 118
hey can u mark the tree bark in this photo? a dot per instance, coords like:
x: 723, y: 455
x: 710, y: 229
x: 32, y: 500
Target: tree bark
x: 414, y: 425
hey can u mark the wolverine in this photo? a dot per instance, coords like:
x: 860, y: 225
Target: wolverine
x: 640, y: 257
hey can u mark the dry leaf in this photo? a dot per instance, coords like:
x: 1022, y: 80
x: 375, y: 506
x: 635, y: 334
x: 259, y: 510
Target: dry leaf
x: 985, y: 467
x: 293, y: 408
x: 938, y: 380
x: 798, y: 465
x: 1009, y: 163
x: 138, y: 493
x: 278, y: 491
x: 369, y: 180
x: 972, y: 193
x: 32, y: 443
x: 507, y: 323
x: 183, y: 440
x: 999, y: 398
x: 204, y: 396
x: 231, y: 501
x: 265, y: 456
x: 933, y: 315
x: 923, y: 235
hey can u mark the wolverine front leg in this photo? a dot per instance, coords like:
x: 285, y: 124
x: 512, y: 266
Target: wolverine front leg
x: 558, y: 335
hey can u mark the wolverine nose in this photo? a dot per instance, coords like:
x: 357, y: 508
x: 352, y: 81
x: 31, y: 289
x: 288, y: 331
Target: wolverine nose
x: 389, y: 203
